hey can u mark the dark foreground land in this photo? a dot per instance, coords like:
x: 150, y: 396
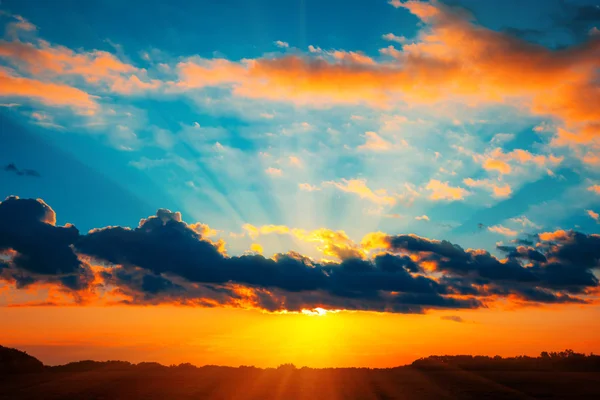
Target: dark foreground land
x: 432, y: 378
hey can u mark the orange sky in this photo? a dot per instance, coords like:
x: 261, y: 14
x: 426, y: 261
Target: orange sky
x: 244, y: 337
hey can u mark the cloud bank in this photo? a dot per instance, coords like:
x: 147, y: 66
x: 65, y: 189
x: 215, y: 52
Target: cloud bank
x: 166, y: 260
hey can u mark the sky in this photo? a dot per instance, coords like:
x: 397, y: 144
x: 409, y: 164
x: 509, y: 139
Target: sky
x: 325, y: 183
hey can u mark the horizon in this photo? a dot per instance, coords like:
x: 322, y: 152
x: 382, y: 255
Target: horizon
x: 286, y: 364
x: 340, y: 184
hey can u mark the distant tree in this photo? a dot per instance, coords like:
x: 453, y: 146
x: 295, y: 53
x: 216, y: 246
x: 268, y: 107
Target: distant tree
x: 286, y: 367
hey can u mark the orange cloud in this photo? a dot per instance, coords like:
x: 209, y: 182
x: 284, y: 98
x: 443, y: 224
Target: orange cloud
x: 95, y: 66
x: 592, y: 158
x: 375, y: 241
x: 551, y: 236
x: 443, y: 191
x: 209, y: 73
x: 52, y: 94
x: 595, y: 189
x: 499, y: 161
x: 453, y: 59
x: 593, y: 215
x: 497, y: 165
x: 203, y: 229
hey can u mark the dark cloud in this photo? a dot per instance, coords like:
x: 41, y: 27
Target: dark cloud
x: 526, y: 253
x: 42, y: 251
x: 166, y: 260
x: 166, y: 245
x: 27, y: 227
x: 21, y: 172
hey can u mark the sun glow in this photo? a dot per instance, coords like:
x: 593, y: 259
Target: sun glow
x: 318, y: 312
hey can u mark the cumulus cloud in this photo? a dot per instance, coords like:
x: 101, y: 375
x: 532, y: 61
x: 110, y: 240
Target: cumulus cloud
x: 165, y: 260
x: 41, y: 251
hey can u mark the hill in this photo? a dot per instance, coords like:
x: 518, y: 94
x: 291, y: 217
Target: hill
x: 13, y: 361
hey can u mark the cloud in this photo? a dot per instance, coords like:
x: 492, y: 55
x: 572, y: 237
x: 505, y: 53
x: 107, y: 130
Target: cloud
x: 497, y: 189
x: 165, y: 260
x: 95, y: 67
x: 307, y: 187
x: 501, y: 138
x: 274, y: 171
x: 502, y: 230
x: 257, y: 248
x: 374, y: 142
x: 41, y: 249
x: 496, y: 165
x: 335, y: 244
x: 525, y: 222
x: 18, y: 26
x: 422, y: 218
x: 499, y: 161
x: 453, y: 59
x: 390, y: 37
x: 443, y: 191
x: 453, y: 318
x: 21, y: 172
x: 557, y: 269
x: 360, y: 188
x: 594, y: 189
x: 283, y: 45
x: 295, y: 161
x: 52, y: 94
x: 593, y: 215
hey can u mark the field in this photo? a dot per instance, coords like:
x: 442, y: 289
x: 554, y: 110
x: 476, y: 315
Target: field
x: 288, y: 383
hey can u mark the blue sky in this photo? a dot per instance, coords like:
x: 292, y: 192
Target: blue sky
x: 226, y: 156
